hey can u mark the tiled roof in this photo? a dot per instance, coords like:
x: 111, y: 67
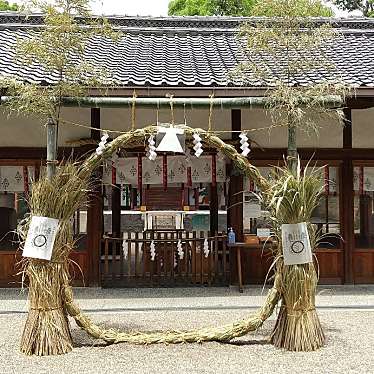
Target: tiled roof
x: 187, y: 51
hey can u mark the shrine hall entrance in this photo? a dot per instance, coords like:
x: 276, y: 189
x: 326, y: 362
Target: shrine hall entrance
x: 165, y: 222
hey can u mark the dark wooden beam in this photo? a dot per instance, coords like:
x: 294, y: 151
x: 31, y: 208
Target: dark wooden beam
x: 347, y: 198
x: 235, y: 212
x: 360, y: 102
x: 267, y: 154
x: 347, y: 130
x: 347, y: 218
x: 95, y: 214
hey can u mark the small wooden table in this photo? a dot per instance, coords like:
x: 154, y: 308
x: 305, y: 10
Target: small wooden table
x: 238, y: 247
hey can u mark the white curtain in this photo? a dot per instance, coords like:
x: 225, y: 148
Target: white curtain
x: 177, y: 169
x: 12, y: 178
x: 152, y: 171
x: 127, y: 170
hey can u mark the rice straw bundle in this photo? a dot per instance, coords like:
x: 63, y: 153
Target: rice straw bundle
x: 218, y: 334
x: 51, y: 297
x: 292, y: 199
x: 47, y: 329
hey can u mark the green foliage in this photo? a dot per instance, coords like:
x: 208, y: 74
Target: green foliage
x: 296, y: 41
x: 302, y: 8
x: 210, y: 7
x: 58, y: 48
x: 4, y: 5
x: 364, y: 6
x: 291, y: 8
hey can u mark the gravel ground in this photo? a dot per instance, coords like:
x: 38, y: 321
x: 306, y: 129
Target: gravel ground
x: 221, y: 297
x: 349, y: 348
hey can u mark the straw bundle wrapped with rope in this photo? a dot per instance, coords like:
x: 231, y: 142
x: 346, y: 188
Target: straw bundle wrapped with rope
x: 51, y: 297
x: 292, y: 199
x: 47, y: 330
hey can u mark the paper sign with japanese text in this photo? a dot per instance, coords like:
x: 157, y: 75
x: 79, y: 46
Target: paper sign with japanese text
x: 296, y: 244
x: 40, y: 238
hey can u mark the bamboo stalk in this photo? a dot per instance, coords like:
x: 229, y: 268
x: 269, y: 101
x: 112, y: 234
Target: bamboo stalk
x: 330, y: 101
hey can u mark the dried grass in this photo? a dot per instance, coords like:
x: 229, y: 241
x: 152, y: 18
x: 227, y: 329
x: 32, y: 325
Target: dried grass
x: 51, y: 298
x: 292, y: 199
x: 47, y: 329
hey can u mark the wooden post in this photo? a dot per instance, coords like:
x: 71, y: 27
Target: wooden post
x: 213, y: 206
x: 116, y: 211
x: 235, y: 214
x: 95, y: 214
x: 51, y: 148
x: 213, y: 209
x: 347, y: 200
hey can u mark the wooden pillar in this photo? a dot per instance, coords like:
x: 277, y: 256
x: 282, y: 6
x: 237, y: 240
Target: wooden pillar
x: 213, y: 206
x: 235, y: 213
x: 347, y: 202
x: 95, y: 215
x: 116, y: 211
x: 213, y: 209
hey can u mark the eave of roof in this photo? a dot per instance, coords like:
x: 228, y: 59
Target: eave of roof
x: 186, y: 51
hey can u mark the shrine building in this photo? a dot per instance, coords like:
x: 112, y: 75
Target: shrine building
x: 164, y: 222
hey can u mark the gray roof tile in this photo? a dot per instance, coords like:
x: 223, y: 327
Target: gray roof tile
x: 188, y: 51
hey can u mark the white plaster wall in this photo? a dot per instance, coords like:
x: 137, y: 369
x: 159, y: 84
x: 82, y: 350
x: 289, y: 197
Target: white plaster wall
x: 22, y: 131
x: 363, y: 128
x: 120, y: 119
x: 29, y: 132
x: 330, y: 134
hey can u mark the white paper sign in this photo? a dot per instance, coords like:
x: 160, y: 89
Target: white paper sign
x: 40, y: 238
x: 263, y: 233
x: 296, y: 244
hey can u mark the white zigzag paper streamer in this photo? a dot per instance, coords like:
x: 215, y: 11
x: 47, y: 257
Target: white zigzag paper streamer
x: 244, y: 144
x: 198, y: 147
x: 100, y: 149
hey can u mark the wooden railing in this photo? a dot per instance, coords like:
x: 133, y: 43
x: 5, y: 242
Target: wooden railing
x: 128, y: 262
